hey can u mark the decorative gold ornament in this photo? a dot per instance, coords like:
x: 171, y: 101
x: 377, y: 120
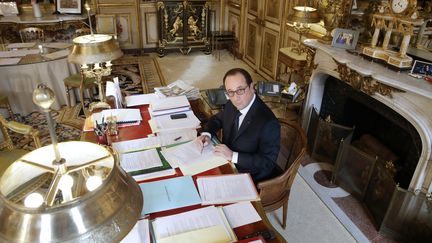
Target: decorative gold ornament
x: 365, y: 84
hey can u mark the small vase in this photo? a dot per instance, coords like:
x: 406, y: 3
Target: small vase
x: 36, y: 10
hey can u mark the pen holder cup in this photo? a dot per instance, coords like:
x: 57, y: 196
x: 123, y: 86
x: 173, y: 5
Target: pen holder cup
x: 102, y: 139
x: 112, y: 127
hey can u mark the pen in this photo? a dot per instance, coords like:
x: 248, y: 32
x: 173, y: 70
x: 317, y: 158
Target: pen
x: 177, y: 138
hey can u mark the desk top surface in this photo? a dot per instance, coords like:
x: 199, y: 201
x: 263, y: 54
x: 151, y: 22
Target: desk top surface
x: 142, y: 130
x: 40, y: 52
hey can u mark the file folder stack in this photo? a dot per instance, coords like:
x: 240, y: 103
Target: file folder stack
x: 169, y: 105
x: 177, y: 88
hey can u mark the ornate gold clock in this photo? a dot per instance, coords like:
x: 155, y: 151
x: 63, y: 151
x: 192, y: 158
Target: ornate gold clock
x: 394, y: 16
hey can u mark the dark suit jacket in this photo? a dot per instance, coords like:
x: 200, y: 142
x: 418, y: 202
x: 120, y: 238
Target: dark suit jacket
x: 257, y: 140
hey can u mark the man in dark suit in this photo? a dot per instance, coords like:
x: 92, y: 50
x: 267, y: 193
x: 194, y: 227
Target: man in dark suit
x: 252, y: 140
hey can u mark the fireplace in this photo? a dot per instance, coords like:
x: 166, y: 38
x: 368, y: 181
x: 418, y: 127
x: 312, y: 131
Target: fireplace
x: 405, y: 101
x: 352, y: 108
x: 385, y: 106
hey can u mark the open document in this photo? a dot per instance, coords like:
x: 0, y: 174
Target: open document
x: 200, y: 225
x: 226, y: 189
x: 140, y: 160
x: 192, y: 158
x: 241, y: 213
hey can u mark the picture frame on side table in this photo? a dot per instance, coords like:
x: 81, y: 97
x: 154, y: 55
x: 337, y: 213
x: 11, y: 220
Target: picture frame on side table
x: 345, y: 38
x: 69, y: 6
x: 421, y: 69
x: 8, y: 9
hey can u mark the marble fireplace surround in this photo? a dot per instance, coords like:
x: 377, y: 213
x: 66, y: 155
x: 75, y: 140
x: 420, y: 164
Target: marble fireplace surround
x: 408, y: 96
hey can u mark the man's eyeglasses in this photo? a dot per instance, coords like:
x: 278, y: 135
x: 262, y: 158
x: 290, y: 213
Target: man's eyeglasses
x: 239, y: 91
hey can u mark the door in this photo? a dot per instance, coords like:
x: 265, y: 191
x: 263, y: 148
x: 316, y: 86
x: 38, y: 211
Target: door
x: 263, y: 28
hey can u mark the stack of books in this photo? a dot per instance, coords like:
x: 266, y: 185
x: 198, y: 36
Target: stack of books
x: 177, y: 88
x: 169, y: 106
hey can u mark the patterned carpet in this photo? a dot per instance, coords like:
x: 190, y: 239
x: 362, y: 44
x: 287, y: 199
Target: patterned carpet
x: 137, y: 74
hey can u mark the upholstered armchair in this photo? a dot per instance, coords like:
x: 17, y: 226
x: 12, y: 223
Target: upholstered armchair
x: 32, y: 34
x: 274, y: 192
x: 8, y: 153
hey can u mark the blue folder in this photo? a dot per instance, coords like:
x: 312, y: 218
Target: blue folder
x: 169, y: 194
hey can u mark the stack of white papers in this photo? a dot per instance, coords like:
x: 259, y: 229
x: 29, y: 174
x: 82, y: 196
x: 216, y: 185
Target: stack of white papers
x: 169, y: 105
x: 177, y: 88
x: 166, y: 123
x: 141, y: 99
x: 200, y: 225
x: 123, y: 115
x: 140, y: 233
x: 226, y: 189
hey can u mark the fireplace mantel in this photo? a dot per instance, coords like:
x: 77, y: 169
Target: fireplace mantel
x: 410, y: 97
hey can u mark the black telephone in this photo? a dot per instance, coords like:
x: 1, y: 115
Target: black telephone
x: 269, y: 88
x: 216, y: 96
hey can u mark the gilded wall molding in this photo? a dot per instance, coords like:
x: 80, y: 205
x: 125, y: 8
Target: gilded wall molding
x: 366, y: 84
x: 310, y: 64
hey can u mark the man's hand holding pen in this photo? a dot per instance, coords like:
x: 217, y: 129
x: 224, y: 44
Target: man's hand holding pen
x: 220, y: 149
x: 202, y: 141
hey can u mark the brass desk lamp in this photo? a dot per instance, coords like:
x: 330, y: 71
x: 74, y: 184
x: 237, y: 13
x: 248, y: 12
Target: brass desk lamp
x: 94, y: 53
x: 300, y: 20
x: 57, y: 194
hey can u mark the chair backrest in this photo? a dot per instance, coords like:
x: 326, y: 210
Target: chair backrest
x: 82, y: 31
x: 5, y: 126
x: 293, y: 148
x: 32, y: 34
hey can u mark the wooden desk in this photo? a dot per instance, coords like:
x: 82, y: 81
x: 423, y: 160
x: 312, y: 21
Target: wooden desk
x: 141, y: 131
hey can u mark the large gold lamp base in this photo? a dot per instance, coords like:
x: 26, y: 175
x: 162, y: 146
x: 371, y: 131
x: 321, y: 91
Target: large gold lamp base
x: 85, y: 208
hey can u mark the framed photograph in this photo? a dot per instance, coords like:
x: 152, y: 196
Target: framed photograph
x: 69, y: 6
x: 8, y: 9
x: 354, y: 4
x: 421, y: 69
x: 345, y: 38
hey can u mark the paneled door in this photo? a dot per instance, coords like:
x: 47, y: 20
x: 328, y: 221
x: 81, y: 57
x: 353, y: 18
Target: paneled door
x: 263, y: 27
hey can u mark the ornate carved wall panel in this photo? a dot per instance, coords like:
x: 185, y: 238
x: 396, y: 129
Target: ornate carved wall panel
x: 263, y: 27
x: 251, y: 41
x: 273, y: 11
x: 269, y: 51
x: 183, y: 25
x: 149, y: 30
x: 128, y: 32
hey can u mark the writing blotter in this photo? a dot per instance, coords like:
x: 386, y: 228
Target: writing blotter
x: 169, y: 194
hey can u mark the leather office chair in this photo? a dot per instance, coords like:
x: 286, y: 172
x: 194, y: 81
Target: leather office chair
x: 4, y: 103
x: 74, y: 81
x: 32, y: 34
x: 8, y: 153
x: 274, y: 193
